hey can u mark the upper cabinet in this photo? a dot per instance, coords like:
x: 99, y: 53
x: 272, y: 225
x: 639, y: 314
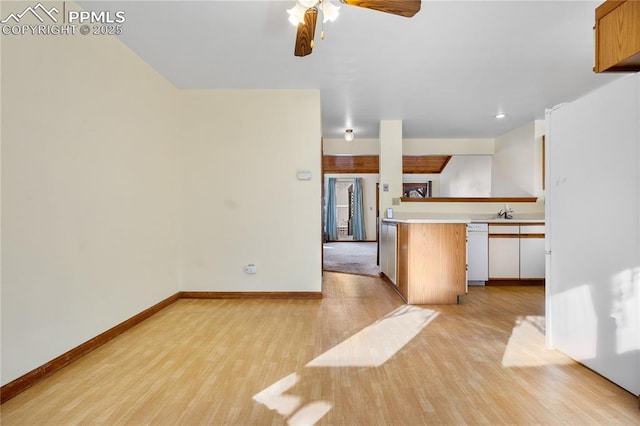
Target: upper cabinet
x: 617, y: 36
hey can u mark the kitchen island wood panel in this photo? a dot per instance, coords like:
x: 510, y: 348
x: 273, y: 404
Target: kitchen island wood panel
x: 432, y: 262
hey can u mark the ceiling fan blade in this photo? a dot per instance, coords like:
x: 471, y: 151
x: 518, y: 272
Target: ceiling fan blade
x: 406, y: 8
x: 306, y: 31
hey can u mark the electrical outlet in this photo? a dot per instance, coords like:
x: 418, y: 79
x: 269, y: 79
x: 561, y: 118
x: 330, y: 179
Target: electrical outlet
x: 395, y: 201
x: 250, y: 269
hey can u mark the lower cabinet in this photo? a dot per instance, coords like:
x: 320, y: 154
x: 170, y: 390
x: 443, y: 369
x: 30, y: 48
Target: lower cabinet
x: 432, y: 261
x: 531, y: 257
x: 504, y: 257
x: 516, y: 251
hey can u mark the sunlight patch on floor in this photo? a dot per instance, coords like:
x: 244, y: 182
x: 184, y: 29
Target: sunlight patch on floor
x: 274, y: 397
x: 377, y: 343
x: 526, y: 346
x: 370, y: 347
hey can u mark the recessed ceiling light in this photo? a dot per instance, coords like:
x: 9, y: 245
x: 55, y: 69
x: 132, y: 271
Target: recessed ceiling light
x: 500, y: 115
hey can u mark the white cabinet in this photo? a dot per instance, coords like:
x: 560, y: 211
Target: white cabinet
x: 504, y: 257
x: 389, y: 250
x: 516, y: 251
x: 531, y: 258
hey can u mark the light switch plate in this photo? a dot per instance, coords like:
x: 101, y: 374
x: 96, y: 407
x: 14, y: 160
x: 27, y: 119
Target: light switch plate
x: 385, y: 187
x: 304, y: 175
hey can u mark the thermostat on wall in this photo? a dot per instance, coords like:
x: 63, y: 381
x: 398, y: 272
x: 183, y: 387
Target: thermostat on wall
x: 304, y: 175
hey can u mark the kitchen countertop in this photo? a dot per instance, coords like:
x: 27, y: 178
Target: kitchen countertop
x: 463, y: 218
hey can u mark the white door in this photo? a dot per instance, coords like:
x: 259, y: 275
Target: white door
x: 593, y: 191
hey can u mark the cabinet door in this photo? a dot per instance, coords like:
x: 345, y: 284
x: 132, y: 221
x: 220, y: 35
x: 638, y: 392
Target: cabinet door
x: 532, y: 257
x: 403, y: 260
x: 388, y: 251
x: 392, y: 255
x: 616, y: 31
x: 504, y: 257
x: 384, y: 236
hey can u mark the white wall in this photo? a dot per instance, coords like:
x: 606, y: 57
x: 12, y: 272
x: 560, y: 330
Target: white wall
x: 540, y: 129
x: 355, y: 147
x: 428, y: 146
x: 514, y: 162
x: 593, y: 231
x: 466, y: 176
x: 434, y: 146
x: 390, y: 163
x: 241, y: 201
x: 89, y: 193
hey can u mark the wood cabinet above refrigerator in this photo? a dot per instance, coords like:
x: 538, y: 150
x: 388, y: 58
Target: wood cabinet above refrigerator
x: 617, y: 36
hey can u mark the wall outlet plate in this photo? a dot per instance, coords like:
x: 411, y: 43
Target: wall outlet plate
x: 250, y: 269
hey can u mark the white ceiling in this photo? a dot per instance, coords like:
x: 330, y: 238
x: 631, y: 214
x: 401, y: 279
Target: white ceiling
x: 444, y: 73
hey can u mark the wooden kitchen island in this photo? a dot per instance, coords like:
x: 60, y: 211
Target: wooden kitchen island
x: 430, y: 260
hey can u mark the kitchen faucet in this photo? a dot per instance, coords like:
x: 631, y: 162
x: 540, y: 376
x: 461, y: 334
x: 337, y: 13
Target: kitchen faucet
x: 506, y: 212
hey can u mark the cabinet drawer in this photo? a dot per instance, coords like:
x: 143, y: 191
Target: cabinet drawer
x: 532, y: 229
x: 503, y: 229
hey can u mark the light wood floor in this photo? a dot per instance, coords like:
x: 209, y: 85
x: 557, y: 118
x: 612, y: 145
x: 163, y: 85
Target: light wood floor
x: 203, y: 361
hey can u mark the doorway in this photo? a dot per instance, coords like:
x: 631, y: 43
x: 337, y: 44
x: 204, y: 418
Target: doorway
x: 345, y: 208
x: 350, y: 207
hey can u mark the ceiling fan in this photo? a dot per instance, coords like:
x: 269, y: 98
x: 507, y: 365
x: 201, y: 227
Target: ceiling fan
x: 305, y: 15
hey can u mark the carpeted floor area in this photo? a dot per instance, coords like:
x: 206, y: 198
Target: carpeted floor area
x: 351, y: 258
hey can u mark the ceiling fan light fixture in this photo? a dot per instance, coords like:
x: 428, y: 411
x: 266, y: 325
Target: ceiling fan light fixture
x: 307, y: 3
x: 348, y: 135
x: 296, y: 14
x: 329, y: 11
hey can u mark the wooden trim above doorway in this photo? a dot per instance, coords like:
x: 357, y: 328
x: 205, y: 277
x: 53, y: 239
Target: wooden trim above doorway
x: 424, y: 164
x: 350, y: 164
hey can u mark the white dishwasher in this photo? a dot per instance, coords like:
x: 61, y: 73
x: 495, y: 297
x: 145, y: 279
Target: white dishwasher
x: 477, y: 253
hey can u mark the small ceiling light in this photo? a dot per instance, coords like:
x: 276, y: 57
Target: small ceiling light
x: 329, y: 11
x: 500, y: 115
x: 308, y: 3
x: 296, y: 14
x: 348, y: 135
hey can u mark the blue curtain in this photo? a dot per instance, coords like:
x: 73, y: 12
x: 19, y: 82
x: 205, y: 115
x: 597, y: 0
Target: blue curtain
x: 358, y: 212
x: 330, y: 223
